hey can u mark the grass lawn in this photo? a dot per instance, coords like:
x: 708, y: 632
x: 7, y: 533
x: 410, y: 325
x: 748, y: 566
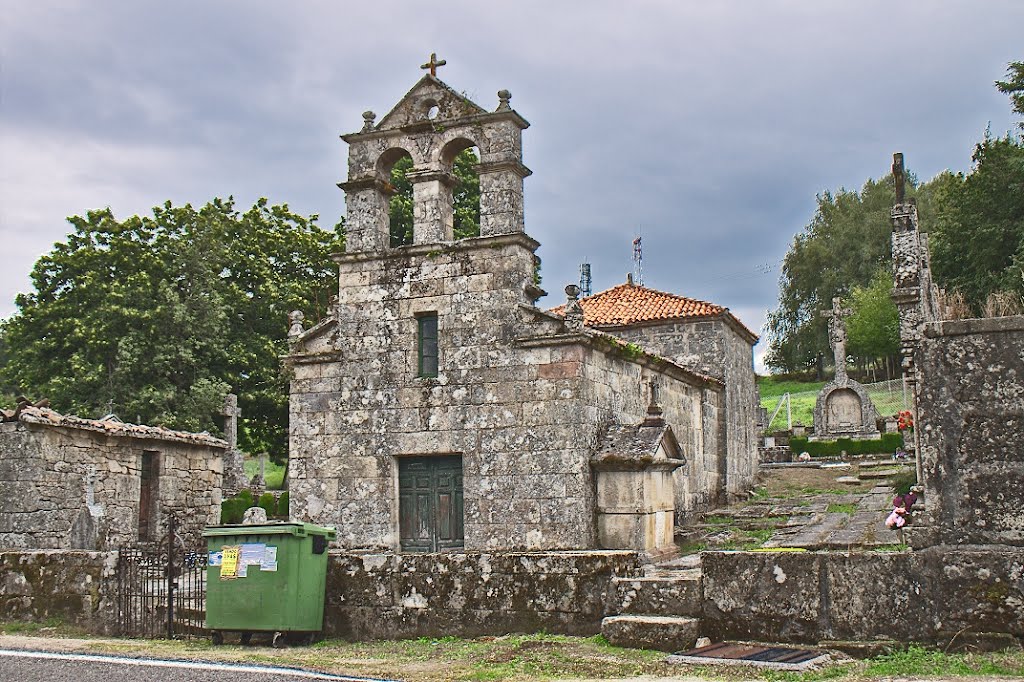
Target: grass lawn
x: 803, y: 395
x: 526, y: 658
x: 274, y: 472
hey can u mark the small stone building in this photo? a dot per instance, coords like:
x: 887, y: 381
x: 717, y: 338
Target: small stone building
x: 73, y: 483
x: 437, y: 408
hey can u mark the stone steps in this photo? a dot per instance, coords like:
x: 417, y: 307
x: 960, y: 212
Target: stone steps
x: 662, y: 633
x: 658, y: 610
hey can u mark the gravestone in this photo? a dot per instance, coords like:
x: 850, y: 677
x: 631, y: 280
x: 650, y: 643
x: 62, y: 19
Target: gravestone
x: 843, y: 408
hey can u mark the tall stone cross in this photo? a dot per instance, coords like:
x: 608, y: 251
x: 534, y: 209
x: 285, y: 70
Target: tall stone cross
x: 837, y: 335
x: 433, y: 64
x: 231, y: 414
x: 899, y: 177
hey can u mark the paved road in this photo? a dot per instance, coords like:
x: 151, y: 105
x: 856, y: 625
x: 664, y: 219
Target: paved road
x: 46, y: 666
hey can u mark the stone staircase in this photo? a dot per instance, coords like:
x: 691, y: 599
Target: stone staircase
x: 658, y: 610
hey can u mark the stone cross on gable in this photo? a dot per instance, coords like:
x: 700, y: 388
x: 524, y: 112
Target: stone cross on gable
x: 231, y: 414
x: 837, y: 334
x: 433, y: 64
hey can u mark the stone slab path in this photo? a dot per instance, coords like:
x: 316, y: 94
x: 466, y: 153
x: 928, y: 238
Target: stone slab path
x: 814, y: 511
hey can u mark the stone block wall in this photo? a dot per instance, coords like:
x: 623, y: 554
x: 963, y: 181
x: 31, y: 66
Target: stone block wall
x: 72, y: 488
x: 716, y: 348
x: 971, y: 408
x: 77, y: 587
x: 930, y: 596
x: 387, y: 596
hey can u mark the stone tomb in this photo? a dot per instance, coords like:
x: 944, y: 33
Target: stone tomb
x: 843, y: 408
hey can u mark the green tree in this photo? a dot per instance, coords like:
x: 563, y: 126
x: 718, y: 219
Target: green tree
x: 977, y: 238
x: 844, y: 245
x: 1014, y: 87
x: 466, y: 199
x: 156, y: 318
x: 873, y: 329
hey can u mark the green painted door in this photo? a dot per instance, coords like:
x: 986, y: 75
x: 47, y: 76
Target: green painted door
x: 430, y: 503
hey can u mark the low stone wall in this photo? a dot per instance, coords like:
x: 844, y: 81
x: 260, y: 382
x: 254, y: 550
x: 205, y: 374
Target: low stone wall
x: 78, y: 587
x: 933, y: 596
x: 386, y: 596
x: 775, y: 455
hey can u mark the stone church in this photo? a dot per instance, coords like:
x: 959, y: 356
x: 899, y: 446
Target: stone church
x: 437, y: 408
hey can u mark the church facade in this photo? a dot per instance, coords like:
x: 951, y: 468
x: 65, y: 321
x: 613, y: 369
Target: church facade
x: 437, y: 408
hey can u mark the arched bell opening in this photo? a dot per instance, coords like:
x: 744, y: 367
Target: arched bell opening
x: 393, y: 166
x: 460, y: 157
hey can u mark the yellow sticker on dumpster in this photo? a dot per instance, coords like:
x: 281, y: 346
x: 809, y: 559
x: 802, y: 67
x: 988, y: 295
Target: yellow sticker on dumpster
x: 229, y: 561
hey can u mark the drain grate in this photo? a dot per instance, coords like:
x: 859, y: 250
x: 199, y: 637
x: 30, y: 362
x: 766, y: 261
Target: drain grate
x: 727, y: 653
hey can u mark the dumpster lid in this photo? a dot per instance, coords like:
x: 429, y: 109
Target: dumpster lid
x: 295, y: 528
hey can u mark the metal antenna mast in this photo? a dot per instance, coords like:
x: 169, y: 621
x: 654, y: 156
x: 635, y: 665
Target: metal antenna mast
x: 638, y: 261
x: 585, y: 280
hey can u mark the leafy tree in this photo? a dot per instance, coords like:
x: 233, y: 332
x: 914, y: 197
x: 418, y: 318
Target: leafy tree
x: 873, y: 329
x: 977, y: 239
x: 1014, y: 87
x: 466, y: 198
x: 844, y: 246
x: 156, y: 318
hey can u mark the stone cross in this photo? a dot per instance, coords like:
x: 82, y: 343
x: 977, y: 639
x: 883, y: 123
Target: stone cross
x: 433, y: 64
x: 231, y: 414
x: 837, y: 334
x: 899, y: 177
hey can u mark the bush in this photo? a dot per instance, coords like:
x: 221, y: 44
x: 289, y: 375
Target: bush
x: 832, y: 448
x: 233, y: 509
x: 246, y: 494
x: 282, y: 505
x: 269, y: 504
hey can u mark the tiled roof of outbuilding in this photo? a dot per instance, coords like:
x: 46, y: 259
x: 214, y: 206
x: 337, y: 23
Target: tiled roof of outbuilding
x: 113, y: 427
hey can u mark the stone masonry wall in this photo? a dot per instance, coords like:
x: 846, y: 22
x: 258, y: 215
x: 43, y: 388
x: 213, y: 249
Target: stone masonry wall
x: 79, y: 588
x: 971, y: 406
x: 715, y: 348
x: 932, y: 596
x: 386, y: 596
x: 44, y: 491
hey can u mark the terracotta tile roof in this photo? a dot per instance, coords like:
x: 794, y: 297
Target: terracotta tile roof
x: 628, y: 304
x: 47, y: 417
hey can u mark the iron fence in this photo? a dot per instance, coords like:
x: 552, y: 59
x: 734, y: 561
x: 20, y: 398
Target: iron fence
x: 162, y: 589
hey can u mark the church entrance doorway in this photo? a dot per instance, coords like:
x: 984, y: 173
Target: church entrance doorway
x: 430, y: 503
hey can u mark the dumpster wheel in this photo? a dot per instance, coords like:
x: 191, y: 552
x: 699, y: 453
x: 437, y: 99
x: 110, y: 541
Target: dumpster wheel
x: 216, y: 637
x: 279, y: 641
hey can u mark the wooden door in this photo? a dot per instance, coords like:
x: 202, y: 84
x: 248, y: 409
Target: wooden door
x: 149, y: 493
x: 430, y: 503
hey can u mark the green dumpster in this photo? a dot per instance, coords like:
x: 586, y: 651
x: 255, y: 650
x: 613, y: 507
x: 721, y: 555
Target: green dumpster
x: 266, y: 578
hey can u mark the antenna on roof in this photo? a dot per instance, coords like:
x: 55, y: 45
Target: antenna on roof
x: 585, y: 280
x: 638, y: 260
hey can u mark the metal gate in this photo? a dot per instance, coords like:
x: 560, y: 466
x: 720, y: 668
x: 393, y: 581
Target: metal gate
x: 162, y: 589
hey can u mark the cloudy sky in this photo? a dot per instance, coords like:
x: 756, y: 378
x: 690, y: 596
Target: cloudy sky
x: 708, y: 127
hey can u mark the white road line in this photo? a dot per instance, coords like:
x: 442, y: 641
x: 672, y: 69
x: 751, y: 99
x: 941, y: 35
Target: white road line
x: 189, y: 665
